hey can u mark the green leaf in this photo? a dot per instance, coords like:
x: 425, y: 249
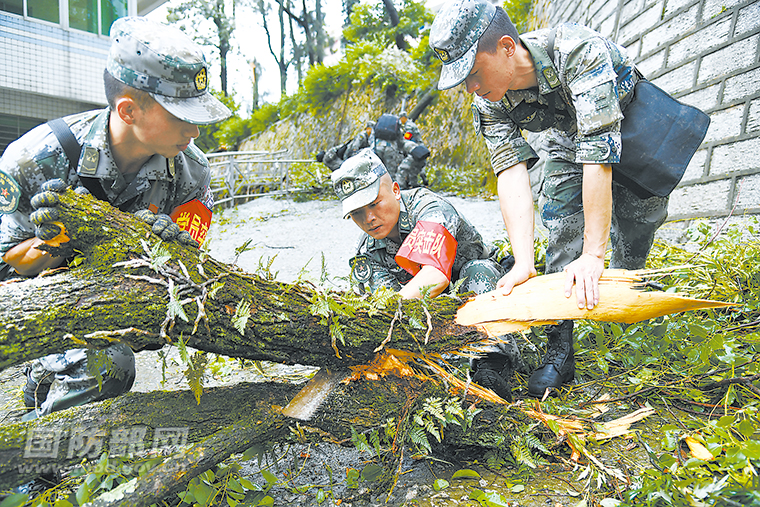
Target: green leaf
x: 267, y: 501
x: 465, y: 473
x: 234, y: 485
x: 372, y: 472
x: 517, y: 488
x: 609, y: 502
x: 321, y: 497
x: 248, y: 485
x: 440, y: 484
x: 269, y: 477
x: 15, y: 500
x: 83, y: 493
x: 494, y: 499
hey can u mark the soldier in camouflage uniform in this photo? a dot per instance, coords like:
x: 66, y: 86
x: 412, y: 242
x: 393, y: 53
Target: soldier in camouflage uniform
x: 336, y: 155
x: 137, y: 154
x: 411, y: 171
x: 413, y: 239
x: 576, y: 98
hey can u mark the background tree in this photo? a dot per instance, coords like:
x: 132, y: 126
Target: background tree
x: 190, y: 16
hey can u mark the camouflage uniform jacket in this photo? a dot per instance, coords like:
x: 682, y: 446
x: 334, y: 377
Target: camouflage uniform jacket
x: 375, y: 258
x: 38, y: 157
x: 594, y: 79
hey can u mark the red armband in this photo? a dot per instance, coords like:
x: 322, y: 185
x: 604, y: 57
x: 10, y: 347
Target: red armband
x: 193, y: 217
x: 429, y: 244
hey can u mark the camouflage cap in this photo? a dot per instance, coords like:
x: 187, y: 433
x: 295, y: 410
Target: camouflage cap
x: 163, y: 61
x: 357, y: 181
x: 454, y: 37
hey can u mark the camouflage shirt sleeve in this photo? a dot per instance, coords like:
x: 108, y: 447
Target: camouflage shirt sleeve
x: 588, y: 72
x: 505, y: 143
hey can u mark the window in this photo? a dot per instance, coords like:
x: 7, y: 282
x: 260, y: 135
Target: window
x: 83, y: 15
x: 94, y: 16
x: 14, y: 6
x: 110, y: 11
x: 46, y: 10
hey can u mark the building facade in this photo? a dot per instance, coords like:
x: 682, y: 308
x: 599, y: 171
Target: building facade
x: 705, y: 53
x: 53, y: 54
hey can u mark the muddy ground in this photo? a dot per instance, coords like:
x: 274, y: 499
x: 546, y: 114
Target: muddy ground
x: 291, y: 237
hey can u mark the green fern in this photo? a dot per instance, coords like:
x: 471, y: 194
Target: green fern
x: 159, y: 256
x: 174, y: 308
x: 194, y: 373
x: 242, y: 314
x: 215, y: 288
x: 100, y: 363
x: 522, y: 454
x: 360, y: 441
x: 418, y: 436
x: 534, y: 442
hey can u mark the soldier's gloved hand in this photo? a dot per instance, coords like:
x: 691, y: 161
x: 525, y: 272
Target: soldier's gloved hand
x: 46, y: 215
x: 164, y: 227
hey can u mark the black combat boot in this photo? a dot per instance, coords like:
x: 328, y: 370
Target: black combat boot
x: 558, y: 366
x: 492, y: 372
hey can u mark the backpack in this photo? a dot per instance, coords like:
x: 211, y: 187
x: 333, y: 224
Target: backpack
x: 388, y: 127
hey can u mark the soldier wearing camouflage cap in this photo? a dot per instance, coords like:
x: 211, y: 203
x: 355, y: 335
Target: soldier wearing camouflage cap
x: 138, y: 155
x: 412, y: 238
x: 572, y: 84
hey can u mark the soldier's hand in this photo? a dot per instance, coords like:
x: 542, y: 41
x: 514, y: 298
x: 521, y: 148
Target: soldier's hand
x: 46, y: 216
x: 164, y: 227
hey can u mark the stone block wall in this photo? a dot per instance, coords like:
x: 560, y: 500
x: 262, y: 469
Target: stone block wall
x: 705, y: 53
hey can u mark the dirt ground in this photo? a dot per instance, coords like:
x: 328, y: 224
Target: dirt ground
x: 293, y: 237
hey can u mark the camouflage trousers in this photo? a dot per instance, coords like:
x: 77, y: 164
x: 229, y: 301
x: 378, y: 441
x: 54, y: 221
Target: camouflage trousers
x: 480, y: 276
x: 634, y: 220
x: 60, y: 381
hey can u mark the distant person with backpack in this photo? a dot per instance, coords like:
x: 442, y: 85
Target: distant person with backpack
x: 138, y: 155
x: 397, y: 143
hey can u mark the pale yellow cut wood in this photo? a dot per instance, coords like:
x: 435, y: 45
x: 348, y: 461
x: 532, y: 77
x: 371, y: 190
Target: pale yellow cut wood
x: 541, y: 300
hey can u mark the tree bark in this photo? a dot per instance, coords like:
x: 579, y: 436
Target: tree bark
x: 103, y: 300
x: 228, y: 420
x: 395, y: 19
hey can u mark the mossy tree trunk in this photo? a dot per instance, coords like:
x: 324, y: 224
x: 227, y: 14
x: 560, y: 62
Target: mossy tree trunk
x: 227, y: 420
x: 102, y: 300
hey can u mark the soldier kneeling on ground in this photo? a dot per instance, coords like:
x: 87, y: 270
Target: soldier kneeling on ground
x: 396, y: 250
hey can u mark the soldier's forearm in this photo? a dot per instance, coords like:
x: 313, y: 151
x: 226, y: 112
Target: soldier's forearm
x: 597, y: 208
x: 516, y: 203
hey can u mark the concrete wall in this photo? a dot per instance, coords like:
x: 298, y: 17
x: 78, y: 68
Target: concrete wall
x: 705, y: 53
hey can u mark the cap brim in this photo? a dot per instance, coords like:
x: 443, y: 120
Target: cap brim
x: 202, y: 110
x: 361, y: 198
x: 457, y: 71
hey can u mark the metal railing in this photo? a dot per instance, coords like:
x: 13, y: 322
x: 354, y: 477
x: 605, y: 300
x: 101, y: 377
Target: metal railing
x: 244, y: 175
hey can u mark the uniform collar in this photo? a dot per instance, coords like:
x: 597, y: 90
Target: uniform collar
x: 97, y: 161
x: 546, y: 73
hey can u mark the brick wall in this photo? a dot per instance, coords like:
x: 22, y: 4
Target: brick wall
x: 705, y: 53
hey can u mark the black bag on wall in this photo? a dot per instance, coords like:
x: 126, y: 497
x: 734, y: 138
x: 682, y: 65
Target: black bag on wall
x: 660, y: 135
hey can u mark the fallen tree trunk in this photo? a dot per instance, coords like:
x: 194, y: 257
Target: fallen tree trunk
x: 148, y: 297
x: 227, y: 420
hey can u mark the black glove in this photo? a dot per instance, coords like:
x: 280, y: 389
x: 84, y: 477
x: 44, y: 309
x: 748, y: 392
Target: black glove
x: 164, y: 227
x: 320, y: 155
x: 46, y: 213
